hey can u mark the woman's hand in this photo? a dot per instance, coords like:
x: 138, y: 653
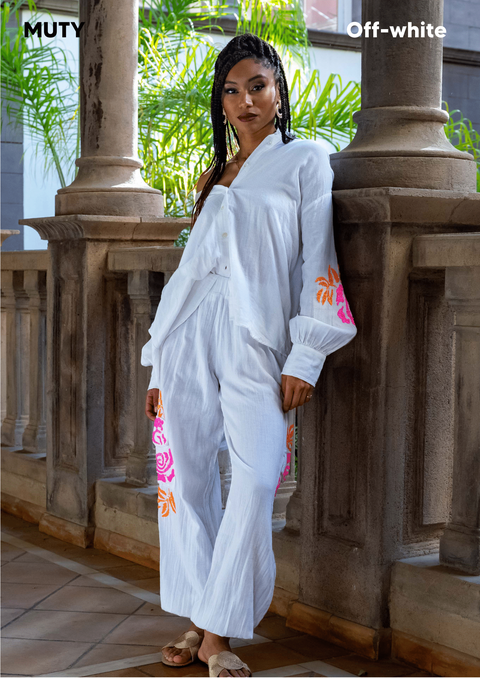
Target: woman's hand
x: 295, y: 392
x: 151, y: 403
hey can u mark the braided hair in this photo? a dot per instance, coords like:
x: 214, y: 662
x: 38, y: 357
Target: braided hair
x: 241, y: 47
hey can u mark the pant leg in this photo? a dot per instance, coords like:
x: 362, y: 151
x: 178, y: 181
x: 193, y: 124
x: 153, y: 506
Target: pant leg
x: 240, y: 585
x: 188, y: 432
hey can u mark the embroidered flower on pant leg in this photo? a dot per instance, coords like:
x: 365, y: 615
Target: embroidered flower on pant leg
x: 164, y: 458
x: 165, y: 470
x: 286, y: 471
x: 166, y: 502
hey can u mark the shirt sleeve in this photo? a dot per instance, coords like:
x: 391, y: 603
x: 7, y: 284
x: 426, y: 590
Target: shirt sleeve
x: 324, y: 322
x: 146, y: 360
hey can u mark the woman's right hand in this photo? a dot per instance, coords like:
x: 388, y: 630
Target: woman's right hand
x: 151, y: 403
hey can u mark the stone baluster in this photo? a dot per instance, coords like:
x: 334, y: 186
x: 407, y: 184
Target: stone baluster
x: 34, y: 437
x: 22, y: 344
x: 9, y: 359
x: 294, y: 506
x: 141, y: 460
x: 287, y: 487
x: 460, y: 542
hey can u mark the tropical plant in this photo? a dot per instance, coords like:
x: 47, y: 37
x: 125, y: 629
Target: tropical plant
x: 461, y: 134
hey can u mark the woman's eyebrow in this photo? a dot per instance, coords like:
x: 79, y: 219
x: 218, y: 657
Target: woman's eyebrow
x: 232, y: 82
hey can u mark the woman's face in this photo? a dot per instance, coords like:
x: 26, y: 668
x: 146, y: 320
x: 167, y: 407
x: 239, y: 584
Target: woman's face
x: 250, y: 96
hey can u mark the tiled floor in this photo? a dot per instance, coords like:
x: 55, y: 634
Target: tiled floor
x: 74, y: 612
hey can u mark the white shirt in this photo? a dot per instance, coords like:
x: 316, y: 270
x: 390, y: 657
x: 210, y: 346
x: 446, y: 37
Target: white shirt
x: 285, y: 287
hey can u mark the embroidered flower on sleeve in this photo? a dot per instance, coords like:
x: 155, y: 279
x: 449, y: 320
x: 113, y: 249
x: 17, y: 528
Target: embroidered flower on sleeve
x: 166, y: 502
x: 328, y: 285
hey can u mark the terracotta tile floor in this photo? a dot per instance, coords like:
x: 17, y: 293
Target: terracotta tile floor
x: 74, y: 612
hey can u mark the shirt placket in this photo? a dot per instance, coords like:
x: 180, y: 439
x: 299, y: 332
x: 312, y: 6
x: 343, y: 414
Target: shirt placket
x: 224, y: 227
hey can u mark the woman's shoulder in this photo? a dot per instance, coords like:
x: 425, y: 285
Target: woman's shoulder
x: 308, y: 150
x: 308, y: 157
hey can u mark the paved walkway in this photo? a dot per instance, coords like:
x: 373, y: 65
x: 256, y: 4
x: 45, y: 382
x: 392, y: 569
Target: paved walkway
x: 69, y: 611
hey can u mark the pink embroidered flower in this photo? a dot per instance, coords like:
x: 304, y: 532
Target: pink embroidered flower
x: 158, y: 436
x: 325, y: 294
x: 165, y: 470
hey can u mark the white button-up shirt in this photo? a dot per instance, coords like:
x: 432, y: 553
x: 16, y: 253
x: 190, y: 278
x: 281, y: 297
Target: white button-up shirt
x: 277, y: 216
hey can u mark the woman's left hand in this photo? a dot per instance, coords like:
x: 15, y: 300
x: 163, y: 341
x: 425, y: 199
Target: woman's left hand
x: 295, y: 392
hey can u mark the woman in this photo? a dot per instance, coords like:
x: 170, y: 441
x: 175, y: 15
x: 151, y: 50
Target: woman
x: 239, y: 339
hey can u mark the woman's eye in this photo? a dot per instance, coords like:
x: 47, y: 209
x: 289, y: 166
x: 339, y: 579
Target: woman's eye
x: 232, y: 89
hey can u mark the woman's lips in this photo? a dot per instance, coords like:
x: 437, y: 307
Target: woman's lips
x: 246, y: 118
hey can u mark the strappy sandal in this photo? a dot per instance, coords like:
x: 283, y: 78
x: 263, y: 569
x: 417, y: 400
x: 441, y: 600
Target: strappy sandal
x: 225, y: 660
x: 190, y: 639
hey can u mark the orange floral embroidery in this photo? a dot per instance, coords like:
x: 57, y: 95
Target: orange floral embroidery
x: 160, y: 406
x: 326, y: 294
x: 165, y: 502
x: 290, y: 437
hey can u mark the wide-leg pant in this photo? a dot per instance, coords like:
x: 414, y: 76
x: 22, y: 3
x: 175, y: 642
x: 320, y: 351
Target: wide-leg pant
x: 218, y: 569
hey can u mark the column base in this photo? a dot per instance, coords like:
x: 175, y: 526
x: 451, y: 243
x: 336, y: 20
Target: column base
x: 460, y: 550
x: 431, y: 172
x: 125, y: 203
x: 79, y: 535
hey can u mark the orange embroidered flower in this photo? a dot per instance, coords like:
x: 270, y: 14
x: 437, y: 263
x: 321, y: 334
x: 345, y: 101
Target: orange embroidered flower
x: 326, y: 294
x: 160, y: 406
x: 165, y: 502
x: 290, y: 437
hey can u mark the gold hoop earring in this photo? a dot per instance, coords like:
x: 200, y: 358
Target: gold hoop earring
x: 279, y: 113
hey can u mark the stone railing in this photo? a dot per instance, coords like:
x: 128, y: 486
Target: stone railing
x: 458, y: 255
x: 24, y: 302
x: 131, y: 285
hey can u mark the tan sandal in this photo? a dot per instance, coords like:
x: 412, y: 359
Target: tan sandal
x: 225, y: 660
x: 190, y: 639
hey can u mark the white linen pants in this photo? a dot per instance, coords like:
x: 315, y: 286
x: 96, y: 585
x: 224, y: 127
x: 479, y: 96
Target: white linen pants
x: 218, y: 569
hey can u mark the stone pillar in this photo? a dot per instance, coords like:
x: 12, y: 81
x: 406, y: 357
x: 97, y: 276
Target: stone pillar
x: 109, y: 180
x: 400, y: 140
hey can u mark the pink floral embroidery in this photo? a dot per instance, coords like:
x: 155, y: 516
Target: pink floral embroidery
x: 326, y: 295
x: 164, y: 458
x: 164, y: 465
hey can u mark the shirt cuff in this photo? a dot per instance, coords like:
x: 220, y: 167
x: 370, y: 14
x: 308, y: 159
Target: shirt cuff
x: 154, y: 381
x: 304, y: 363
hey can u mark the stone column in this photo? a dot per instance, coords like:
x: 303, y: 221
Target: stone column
x: 109, y: 180
x: 400, y: 140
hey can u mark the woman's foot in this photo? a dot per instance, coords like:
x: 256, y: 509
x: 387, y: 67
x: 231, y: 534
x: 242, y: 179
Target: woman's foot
x: 175, y: 654
x: 213, y: 644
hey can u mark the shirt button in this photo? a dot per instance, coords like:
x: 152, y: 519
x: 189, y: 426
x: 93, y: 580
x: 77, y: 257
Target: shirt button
x: 224, y: 235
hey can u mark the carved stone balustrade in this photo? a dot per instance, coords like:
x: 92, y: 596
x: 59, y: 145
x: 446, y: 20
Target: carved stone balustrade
x: 459, y: 256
